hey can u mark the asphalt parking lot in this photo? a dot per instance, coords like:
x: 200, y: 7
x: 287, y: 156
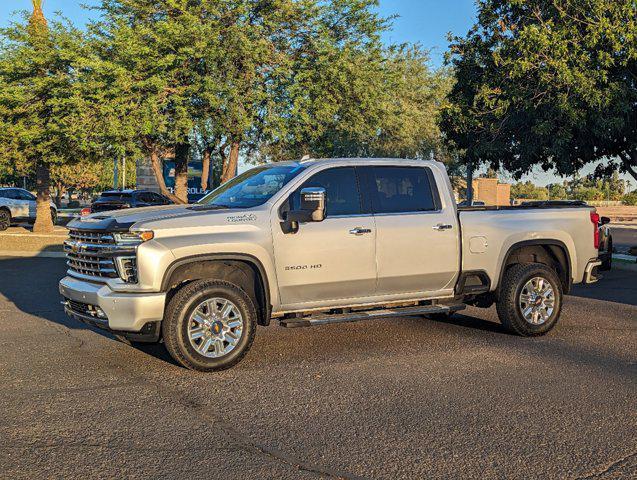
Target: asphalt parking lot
x: 404, y: 398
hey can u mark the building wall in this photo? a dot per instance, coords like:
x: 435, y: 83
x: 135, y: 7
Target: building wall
x: 491, y: 192
x: 145, y: 176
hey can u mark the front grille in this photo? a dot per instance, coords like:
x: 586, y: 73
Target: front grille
x: 91, y: 253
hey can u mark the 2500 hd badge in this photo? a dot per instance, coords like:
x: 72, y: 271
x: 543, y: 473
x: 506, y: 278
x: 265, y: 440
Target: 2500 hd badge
x: 304, y: 267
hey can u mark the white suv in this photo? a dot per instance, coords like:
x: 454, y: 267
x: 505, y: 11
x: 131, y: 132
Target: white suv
x: 18, y: 204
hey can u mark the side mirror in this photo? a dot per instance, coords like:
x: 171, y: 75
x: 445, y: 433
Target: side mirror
x: 313, y: 202
x: 604, y: 221
x: 311, y: 209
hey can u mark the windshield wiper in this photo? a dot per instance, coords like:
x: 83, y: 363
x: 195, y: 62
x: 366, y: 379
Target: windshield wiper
x: 212, y: 206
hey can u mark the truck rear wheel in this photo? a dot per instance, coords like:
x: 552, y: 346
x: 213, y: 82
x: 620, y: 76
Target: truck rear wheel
x: 209, y: 325
x: 530, y: 299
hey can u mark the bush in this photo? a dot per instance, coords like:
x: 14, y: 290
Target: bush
x: 630, y: 198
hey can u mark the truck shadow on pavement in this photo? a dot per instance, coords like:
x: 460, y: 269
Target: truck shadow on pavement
x: 617, y: 285
x: 30, y: 285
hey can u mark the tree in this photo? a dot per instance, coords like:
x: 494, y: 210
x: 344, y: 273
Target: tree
x: 527, y: 190
x: 37, y: 101
x: 175, y: 70
x: 548, y: 82
x: 364, y: 100
x: 557, y: 191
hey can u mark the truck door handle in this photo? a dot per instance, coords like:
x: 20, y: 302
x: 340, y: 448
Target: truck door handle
x: 360, y: 231
x: 442, y: 226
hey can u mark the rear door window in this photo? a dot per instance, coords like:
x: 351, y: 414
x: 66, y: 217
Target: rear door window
x: 403, y: 190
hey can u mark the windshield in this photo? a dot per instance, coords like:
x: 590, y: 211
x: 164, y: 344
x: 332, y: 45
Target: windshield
x: 109, y: 196
x: 251, y: 188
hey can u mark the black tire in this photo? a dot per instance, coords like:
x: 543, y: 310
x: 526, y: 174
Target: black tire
x: 508, y: 304
x: 5, y: 219
x: 176, y: 320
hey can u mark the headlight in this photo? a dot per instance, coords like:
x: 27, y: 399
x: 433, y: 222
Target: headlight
x: 127, y: 268
x: 133, y: 238
x: 127, y: 263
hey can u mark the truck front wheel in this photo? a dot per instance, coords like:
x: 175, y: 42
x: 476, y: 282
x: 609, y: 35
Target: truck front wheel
x: 530, y: 299
x: 209, y: 325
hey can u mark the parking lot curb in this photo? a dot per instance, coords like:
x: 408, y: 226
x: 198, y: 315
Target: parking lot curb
x: 34, y: 254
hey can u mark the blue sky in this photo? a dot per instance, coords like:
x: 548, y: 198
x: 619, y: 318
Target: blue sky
x: 419, y: 21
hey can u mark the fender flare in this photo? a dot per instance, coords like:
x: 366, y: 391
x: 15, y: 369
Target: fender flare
x: 242, y: 257
x: 541, y: 242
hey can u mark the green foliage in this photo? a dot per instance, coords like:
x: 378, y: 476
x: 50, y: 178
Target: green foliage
x: 630, y: 198
x: 270, y: 79
x: 548, y: 82
x: 579, y: 188
x: 527, y: 190
x: 557, y: 191
x: 281, y: 79
x: 38, y: 98
x: 378, y: 102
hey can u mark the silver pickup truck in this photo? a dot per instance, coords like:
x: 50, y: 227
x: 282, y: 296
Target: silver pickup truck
x: 318, y: 242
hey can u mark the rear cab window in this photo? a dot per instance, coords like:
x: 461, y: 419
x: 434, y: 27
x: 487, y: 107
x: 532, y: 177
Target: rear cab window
x: 115, y: 196
x: 403, y: 190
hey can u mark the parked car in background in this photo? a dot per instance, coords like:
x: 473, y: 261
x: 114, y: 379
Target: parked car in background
x: 605, y: 244
x: 119, y: 199
x: 19, y: 205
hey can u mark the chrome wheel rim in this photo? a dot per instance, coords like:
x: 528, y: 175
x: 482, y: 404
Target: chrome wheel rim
x: 215, y: 327
x: 537, y: 301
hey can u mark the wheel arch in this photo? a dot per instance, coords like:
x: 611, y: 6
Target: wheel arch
x: 550, y: 252
x: 243, y: 270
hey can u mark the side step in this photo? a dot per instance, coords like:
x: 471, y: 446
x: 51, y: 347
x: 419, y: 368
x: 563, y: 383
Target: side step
x: 330, y: 318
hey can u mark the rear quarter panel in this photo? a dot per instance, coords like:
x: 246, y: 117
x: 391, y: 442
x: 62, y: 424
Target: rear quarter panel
x: 487, y: 236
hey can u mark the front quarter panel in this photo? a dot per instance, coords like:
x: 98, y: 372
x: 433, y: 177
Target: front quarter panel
x: 245, y: 233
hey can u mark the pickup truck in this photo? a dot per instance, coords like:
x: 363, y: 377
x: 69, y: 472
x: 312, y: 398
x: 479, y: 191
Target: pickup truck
x: 318, y: 242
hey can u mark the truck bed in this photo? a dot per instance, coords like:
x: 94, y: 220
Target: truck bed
x: 489, y: 233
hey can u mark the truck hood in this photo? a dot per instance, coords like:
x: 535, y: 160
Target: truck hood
x: 154, y: 217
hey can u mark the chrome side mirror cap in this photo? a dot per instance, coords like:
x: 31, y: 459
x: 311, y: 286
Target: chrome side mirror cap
x: 313, y: 201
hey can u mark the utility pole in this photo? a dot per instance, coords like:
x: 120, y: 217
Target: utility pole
x: 115, y: 173
x: 124, y: 172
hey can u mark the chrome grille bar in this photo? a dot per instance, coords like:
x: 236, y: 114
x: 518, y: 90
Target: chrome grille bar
x: 91, y: 253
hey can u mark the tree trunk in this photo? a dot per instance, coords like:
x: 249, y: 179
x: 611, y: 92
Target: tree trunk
x: 231, y: 165
x: 205, y: 169
x: 182, y: 151
x: 43, y: 221
x: 155, y: 163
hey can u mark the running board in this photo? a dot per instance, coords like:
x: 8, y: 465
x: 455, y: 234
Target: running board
x: 330, y: 318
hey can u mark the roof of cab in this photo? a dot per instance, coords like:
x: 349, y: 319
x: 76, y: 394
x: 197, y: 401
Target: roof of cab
x: 367, y: 161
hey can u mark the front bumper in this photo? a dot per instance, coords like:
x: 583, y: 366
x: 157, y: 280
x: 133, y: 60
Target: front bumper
x: 120, y: 312
x: 591, y: 273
